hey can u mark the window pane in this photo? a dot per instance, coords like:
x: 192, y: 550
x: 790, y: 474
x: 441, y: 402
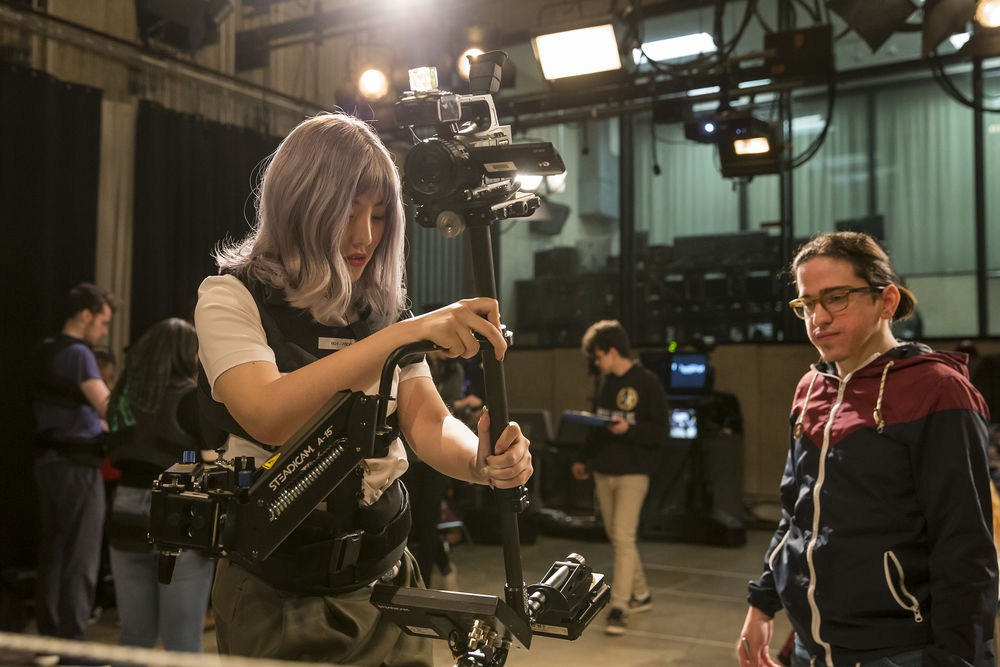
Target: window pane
x: 991, y: 139
x: 925, y: 190
x: 695, y: 268
x: 831, y: 188
x: 559, y: 268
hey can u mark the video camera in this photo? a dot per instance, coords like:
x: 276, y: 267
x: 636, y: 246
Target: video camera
x: 466, y: 175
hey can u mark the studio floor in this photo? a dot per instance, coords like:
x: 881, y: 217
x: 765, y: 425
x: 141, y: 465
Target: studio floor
x: 699, y: 604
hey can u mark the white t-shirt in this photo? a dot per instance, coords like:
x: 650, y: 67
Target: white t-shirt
x: 230, y: 333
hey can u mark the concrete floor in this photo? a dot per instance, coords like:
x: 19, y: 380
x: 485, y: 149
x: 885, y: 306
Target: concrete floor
x: 699, y: 605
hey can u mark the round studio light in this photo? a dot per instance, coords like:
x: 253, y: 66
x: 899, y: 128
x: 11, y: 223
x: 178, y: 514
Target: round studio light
x: 463, y: 61
x: 373, y: 84
x: 709, y: 128
x: 988, y: 13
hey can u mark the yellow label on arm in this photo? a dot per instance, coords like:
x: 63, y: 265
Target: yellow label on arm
x: 266, y: 465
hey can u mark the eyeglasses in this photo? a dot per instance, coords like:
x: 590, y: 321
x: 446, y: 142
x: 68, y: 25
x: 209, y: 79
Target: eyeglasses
x: 832, y: 302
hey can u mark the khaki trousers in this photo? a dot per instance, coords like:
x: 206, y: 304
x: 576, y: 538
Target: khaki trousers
x: 621, y: 498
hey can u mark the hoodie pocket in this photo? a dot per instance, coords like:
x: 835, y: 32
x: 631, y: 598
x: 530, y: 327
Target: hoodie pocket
x: 902, y: 596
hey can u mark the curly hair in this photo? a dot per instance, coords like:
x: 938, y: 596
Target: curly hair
x: 603, y: 336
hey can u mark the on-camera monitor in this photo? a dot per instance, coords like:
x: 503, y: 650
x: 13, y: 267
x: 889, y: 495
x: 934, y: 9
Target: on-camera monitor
x: 688, y: 372
x: 683, y: 424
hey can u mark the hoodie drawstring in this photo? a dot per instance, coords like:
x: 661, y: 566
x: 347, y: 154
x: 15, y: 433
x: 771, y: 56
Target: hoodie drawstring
x: 799, y: 429
x: 877, y: 414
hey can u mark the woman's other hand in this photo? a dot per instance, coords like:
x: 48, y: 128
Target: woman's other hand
x: 510, y: 465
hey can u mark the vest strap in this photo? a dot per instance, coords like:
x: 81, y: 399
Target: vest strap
x: 349, y: 560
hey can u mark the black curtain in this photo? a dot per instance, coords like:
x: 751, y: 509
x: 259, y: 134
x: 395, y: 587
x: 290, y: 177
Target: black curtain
x: 193, y: 188
x: 50, y: 135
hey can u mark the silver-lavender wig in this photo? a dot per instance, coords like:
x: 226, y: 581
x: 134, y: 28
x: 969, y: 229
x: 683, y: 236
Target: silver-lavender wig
x: 303, y: 205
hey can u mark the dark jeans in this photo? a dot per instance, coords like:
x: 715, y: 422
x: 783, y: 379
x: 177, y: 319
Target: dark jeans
x: 800, y: 658
x: 71, y: 514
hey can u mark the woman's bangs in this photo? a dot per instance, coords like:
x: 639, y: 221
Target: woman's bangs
x: 378, y: 178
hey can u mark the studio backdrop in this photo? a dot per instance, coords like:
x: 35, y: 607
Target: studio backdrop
x: 194, y: 181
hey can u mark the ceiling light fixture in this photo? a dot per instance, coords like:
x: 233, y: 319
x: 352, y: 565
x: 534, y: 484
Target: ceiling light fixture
x: 577, y: 52
x: 674, y: 48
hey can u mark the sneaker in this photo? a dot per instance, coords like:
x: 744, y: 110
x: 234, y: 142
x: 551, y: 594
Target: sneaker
x: 616, y: 622
x: 644, y: 603
x: 46, y: 659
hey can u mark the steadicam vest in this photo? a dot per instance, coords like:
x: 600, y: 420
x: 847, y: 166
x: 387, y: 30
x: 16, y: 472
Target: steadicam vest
x: 346, y: 546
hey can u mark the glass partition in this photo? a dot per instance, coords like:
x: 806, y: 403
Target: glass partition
x: 559, y: 268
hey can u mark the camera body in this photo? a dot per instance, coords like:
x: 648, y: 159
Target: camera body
x: 466, y: 174
x: 246, y: 512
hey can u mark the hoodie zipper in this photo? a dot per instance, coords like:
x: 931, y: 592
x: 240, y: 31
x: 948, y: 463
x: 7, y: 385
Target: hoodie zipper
x: 820, y: 478
x: 914, y: 606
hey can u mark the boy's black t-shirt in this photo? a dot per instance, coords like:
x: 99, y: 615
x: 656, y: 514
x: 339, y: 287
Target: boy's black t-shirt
x: 639, y: 399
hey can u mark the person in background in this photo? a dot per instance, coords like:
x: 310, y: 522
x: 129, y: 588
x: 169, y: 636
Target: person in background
x: 104, y: 597
x: 884, y: 553
x: 153, y: 416
x: 69, y: 400
x: 620, y: 456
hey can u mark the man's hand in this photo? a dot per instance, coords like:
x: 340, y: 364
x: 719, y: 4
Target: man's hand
x: 619, y: 427
x: 580, y: 471
x: 755, y: 638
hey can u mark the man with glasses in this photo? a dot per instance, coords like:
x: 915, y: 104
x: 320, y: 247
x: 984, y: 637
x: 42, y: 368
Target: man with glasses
x: 884, y: 554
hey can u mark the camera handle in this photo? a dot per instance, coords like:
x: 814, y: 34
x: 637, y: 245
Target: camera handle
x: 510, y: 502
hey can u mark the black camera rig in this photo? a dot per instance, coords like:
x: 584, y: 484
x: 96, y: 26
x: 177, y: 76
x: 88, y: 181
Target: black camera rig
x: 466, y: 174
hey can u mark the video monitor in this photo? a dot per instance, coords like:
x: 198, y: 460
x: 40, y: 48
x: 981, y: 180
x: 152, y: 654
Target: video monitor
x: 688, y: 372
x: 683, y: 424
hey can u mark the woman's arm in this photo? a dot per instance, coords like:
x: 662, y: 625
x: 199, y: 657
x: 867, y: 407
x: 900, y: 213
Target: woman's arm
x: 448, y: 446
x: 271, y: 406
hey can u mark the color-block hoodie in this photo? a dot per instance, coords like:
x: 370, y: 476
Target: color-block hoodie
x: 885, y: 543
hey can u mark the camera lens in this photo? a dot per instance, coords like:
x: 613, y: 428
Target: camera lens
x: 449, y: 224
x: 436, y: 168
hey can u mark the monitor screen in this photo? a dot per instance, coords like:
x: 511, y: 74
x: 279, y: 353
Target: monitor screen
x: 688, y: 372
x: 683, y: 424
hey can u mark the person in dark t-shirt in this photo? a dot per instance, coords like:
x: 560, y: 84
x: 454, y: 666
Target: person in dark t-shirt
x: 69, y: 400
x: 619, y: 456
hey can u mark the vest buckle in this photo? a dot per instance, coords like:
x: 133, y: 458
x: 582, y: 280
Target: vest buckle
x: 345, y: 551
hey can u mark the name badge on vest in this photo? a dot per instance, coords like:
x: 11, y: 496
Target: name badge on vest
x: 325, y: 343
